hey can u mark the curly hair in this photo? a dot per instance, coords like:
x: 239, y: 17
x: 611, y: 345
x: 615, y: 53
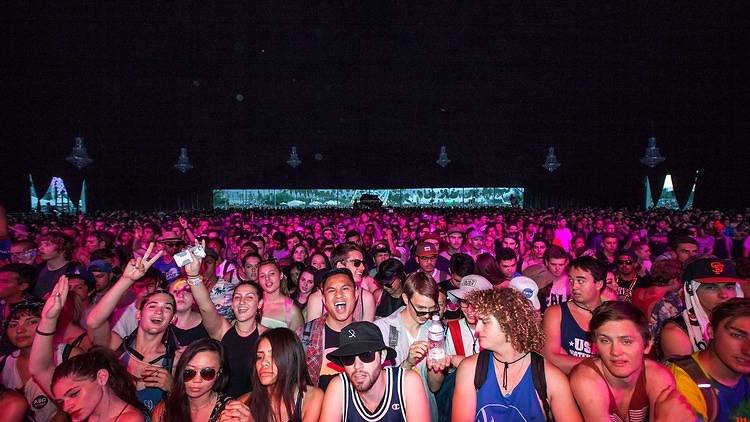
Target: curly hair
x: 515, y: 314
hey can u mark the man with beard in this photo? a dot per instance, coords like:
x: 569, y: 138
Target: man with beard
x: 368, y: 390
x: 322, y: 334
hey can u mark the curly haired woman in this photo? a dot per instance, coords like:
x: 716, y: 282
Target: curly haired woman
x: 501, y: 381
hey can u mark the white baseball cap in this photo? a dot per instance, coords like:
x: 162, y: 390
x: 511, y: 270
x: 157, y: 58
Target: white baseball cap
x: 470, y: 283
x: 528, y: 288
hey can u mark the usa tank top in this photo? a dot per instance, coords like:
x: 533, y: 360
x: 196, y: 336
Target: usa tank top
x: 574, y: 340
x: 638, y: 408
x: 521, y: 405
x: 390, y: 409
x: 240, y: 352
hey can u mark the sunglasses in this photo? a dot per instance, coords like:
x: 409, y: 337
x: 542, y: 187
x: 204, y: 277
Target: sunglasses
x: 423, y: 313
x: 624, y: 262
x: 356, y: 262
x: 366, y: 357
x: 427, y: 258
x: 208, y: 374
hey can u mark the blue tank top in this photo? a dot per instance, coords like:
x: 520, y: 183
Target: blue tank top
x: 522, y: 405
x: 574, y: 340
x: 391, y: 408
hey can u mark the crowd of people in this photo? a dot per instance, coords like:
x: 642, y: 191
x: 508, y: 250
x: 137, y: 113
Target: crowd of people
x: 331, y: 315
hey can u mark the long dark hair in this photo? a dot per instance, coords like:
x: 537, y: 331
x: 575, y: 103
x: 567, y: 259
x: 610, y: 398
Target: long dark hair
x: 289, y: 358
x: 88, y: 364
x: 177, y: 406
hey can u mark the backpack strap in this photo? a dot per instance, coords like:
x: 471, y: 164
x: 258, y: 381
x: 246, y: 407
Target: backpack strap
x: 480, y: 372
x: 706, y: 385
x: 455, y: 329
x: 393, y: 337
x: 540, y: 383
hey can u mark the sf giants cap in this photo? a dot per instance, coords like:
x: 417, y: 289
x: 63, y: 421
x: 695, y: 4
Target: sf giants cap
x: 711, y: 270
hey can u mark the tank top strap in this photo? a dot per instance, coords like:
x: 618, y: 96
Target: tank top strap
x: 640, y: 396
x: 612, y: 402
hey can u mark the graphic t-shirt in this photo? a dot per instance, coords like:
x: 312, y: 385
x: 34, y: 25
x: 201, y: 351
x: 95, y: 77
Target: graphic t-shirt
x: 170, y: 270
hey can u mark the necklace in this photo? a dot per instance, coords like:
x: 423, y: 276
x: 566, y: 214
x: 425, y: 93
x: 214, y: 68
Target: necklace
x: 473, y: 338
x: 582, y: 307
x: 505, y: 368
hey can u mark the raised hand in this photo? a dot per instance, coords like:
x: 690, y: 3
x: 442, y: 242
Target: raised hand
x: 137, y: 268
x: 56, y: 300
x: 194, y: 267
x: 183, y: 222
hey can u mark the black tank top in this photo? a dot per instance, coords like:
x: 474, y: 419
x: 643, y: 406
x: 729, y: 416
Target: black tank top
x: 390, y: 409
x: 185, y: 337
x: 240, y: 354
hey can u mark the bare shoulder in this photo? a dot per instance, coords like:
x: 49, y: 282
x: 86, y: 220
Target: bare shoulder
x: 585, y: 375
x: 552, y: 312
x: 313, y: 393
x: 553, y: 373
x: 468, y: 365
x: 658, y: 377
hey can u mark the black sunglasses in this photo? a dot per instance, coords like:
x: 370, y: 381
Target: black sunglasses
x: 366, y: 357
x: 356, y: 262
x: 423, y: 313
x: 207, y: 374
x: 624, y: 262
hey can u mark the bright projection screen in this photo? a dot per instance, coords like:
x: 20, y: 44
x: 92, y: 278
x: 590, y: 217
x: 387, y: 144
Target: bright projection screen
x: 345, y: 198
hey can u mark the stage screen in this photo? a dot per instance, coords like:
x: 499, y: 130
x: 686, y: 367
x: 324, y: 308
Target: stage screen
x: 346, y: 198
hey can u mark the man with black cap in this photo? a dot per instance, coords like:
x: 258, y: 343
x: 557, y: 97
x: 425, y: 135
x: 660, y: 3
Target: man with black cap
x: 391, y: 277
x: 322, y: 333
x: 707, y: 283
x: 368, y: 390
x: 379, y: 252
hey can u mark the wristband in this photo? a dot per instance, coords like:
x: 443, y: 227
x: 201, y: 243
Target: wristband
x: 194, y: 279
x: 42, y: 333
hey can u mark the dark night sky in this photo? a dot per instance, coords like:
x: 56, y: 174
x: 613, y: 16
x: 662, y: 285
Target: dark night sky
x: 376, y: 88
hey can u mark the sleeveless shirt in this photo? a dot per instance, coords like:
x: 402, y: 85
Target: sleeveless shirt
x: 574, y: 340
x: 240, y: 352
x: 391, y: 407
x: 638, y: 408
x: 521, y: 405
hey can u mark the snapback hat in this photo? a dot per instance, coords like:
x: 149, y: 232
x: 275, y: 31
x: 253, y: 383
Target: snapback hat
x: 426, y: 249
x: 470, y: 283
x: 84, y: 275
x: 711, y: 270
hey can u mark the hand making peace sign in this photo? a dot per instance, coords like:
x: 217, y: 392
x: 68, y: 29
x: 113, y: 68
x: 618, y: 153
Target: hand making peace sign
x: 137, y: 268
